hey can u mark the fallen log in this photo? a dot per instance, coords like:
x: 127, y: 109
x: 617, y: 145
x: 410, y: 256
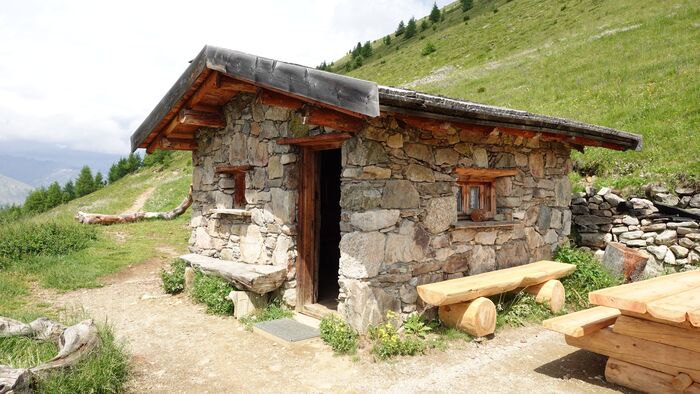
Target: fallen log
x: 104, y: 219
x: 74, y: 344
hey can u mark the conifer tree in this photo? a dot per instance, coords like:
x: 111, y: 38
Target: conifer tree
x: 435, y: 14
x: 411, y: 28
x: 68, y: 192
x: 387, y: 40
x: 54, y: 196
x: 467, y: 5
x: 99, y: 181
x: 36, y: 201
x: 424, y: 25
x: 85, y: 184
x: 367, y: 50
x: 400, y: 29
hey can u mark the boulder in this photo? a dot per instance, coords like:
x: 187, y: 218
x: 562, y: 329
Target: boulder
x: 679, y: 251
x: 361, y: 254
x: 441, y: 213
x: 621, y: 260
x: 613, y: 199
x: 375, y: 219
x: 401, y: 194
x: 667, y: 237
x: 366, y: 306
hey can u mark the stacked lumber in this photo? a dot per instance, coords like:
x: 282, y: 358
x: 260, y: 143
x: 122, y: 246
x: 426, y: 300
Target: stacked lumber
x: 463, y: 304
x: 650, y: 331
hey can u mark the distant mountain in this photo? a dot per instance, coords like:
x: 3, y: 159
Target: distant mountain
x: 12, y: 191
x: 38, y: 164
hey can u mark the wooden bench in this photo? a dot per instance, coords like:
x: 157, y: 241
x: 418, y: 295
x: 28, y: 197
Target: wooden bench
x: 463, y: 304
x: 259, y: 279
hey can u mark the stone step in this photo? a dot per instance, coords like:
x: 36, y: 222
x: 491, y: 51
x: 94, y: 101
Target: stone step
x: 260, y: 279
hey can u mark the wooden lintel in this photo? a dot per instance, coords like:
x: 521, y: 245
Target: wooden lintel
x: 484, y: 173
x: 228, y: 169
x: 269, y: 97
x: 316, y: 140
x: 333, y: 119
x: 178, y: 144
x: 203, y: 119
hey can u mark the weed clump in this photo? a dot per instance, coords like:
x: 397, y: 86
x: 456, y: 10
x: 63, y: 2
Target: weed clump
x: 589, y: 276
x: 389, y: 341
x: 26, y: 239
x: 428, y: 49
x: 213, y: 292
x: 338, y: 334
x: 174, y: 278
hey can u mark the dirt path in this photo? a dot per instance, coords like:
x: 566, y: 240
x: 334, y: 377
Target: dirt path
x: 140, y: 201
x: 176, y: 347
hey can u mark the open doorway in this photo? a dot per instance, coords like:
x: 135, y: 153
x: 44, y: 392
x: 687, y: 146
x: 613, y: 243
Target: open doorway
x: 329, y: 165
x: 319, y: 230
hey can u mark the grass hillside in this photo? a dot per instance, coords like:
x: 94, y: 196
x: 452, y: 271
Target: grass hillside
x: 627, y: 64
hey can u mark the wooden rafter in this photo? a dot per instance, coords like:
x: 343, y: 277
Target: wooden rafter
x: 202, y: 119
x: 275, y: 99
x: 178, y: 144
x: 333, y: 119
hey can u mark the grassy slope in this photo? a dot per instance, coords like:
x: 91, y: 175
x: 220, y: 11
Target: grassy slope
x: 627, y: 64
x: 117, y: 246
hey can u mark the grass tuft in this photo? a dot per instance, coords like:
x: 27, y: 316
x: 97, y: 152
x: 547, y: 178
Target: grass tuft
x: 174, y: 278
x: 273, y: 311
x: 213, y: 292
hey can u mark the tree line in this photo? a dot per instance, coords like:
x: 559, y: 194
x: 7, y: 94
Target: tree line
x: 44, y: 198
x: 404, y: 31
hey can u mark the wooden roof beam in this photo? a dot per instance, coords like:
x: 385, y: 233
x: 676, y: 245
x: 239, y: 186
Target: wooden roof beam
x: 228, y: 169
x: 202, y: 119
x: 178, y: 144
x: 322, y: 140
x: 333, y: 119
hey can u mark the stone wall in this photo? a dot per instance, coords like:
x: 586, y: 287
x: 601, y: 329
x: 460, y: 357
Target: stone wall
x: 398, y: 222
x: 671, y: 244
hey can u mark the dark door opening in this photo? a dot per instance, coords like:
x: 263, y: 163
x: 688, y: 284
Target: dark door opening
x: 329, y: 168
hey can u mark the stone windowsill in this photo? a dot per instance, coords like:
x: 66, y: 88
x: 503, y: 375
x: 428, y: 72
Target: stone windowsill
x: 484, y: 224
x: 240, y: 213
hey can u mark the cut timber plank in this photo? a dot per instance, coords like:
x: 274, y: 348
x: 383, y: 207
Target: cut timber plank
x: 259, y: 279
x: 643, y: 379
x: 646, y: 316
x: 686, y: 338
x: 583, y: 322
x: 633, y: 297
x: 492, y: 283
x: 675, y: 308
x: 668, y: 359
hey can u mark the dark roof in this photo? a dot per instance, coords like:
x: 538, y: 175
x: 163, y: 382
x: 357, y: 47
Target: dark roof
x: 364, y: 98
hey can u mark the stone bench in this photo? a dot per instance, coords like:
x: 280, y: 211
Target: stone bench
x: 259, y: 279
x: 463, y: 304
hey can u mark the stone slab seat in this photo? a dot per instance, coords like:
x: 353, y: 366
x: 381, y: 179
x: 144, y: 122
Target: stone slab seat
x: 260, y: 279
x: 492, y: 283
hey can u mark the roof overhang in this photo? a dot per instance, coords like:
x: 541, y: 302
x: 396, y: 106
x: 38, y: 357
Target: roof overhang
x: 216, y: 75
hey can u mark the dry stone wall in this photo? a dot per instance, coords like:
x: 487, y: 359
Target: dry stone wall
x: 399, y: 223
x: 671, y: 244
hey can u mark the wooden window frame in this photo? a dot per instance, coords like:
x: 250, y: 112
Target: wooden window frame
x: 238, y: 174
x: 485, y: 180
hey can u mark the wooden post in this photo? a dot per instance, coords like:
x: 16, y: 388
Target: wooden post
x: 477, y: 318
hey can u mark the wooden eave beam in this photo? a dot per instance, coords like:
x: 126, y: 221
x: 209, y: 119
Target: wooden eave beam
x: 275, y: 99
x: 228, y: 169
x: 178, y: 144
x: 333, y: 119
x: 202, y: 119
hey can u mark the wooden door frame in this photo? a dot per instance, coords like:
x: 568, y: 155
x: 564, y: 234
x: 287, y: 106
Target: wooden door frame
x: 308, y: 220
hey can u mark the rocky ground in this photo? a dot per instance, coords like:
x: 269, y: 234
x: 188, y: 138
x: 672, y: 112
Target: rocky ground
x: 177, y: 347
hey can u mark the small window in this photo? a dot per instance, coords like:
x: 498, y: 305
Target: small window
x: 477, y: 190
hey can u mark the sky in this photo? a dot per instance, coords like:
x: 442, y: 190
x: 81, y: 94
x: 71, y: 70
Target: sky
x: 82, y: 75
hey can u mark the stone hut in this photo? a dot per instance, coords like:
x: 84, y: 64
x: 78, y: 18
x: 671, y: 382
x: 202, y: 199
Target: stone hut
x: 335, y: 193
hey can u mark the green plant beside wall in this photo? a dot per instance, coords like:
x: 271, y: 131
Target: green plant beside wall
x: 589, y: 276
x: 174, y: 277
x: 213, y: 292
x: 338, y: 334
x: 273, y: 311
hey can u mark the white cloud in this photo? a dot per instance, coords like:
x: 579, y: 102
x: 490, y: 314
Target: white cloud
x: 84, y: 74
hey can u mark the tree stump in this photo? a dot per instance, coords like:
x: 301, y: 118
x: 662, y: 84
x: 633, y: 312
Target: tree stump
x: 551, y: 293
x: 477, y: 317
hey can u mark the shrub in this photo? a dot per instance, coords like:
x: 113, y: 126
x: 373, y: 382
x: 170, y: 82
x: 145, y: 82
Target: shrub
x: 388, y: 342
x: 428, y: 49
x: 338, y: 335
x: 589, y: 276
x: 159, y: 157
x: 519, y: 309
x: 174, y: 278
x: 273, y: 311
x: 213, y: 292
x: 26, y: 239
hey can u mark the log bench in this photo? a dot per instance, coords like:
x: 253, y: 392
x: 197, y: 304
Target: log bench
x: 462, y: 302
x: 259, y: 279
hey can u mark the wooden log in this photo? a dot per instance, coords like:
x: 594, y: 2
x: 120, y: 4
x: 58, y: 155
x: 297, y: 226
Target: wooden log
x: 74, y: 344
x: 41, y: 328
x: 491, y: 283
x: 15, y: 380
x: 643, y: 379
x: 260, y: 279
x: 477, y: 318
x: 551, y: 293
x: 98, y: 218
x: 667, y: 359
x: 686, y: 338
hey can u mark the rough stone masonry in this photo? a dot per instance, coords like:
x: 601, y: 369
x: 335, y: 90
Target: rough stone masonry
x: 399, y: 222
